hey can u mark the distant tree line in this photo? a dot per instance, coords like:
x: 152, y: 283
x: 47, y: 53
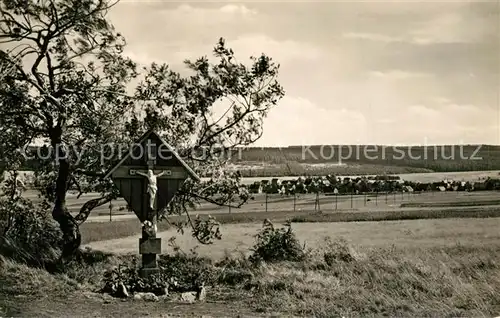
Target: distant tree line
x: 446, y: 158
x: 442, y: 158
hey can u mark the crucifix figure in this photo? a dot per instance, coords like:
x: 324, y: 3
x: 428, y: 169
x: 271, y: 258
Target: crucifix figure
x: 150, y: 175
x: 152, y: 184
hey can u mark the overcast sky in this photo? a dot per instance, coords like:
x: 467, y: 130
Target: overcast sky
x: 354, y: 72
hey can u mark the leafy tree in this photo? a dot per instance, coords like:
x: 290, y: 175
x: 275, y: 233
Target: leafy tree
x: 67, y: 84
x: 27, y: 233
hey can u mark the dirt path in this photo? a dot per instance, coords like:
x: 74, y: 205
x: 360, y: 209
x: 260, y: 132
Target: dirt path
x: 93, y: 305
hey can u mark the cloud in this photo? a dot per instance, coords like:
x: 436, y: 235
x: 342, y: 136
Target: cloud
x: 160, y: 23
x: 403, y: 69
x: 397, y: 74
x: 140, y: 57
x: 172, y: 32
x: 254, y: 45
x: 445, y: 28
x: 206, y: 16
x: 441, y: 100
x: 443, y: 123
x: 446, y: 23
x: 371, y: 37
x: 282, y: 52
x: 238, y: 9
x: 298, y: 121
x: 421, y: 111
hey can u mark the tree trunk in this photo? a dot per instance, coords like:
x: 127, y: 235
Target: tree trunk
x: 68, y: 225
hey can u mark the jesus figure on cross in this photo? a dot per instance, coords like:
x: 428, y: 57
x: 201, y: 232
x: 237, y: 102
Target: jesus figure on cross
x: 152, y: 185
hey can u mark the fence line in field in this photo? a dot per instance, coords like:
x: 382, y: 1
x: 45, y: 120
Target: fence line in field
x: 329, y: 201
x: 335, y: 202
x: 266, y: 202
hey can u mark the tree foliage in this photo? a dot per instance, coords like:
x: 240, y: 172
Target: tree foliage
x: 27, y: 233
x: 276, y: 244
x: 67, y: 84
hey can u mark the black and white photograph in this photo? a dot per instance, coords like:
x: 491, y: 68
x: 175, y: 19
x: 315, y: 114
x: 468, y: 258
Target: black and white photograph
x: 249, y: 159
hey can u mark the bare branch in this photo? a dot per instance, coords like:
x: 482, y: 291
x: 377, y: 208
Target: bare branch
x: 51, y: 72
x: 77, y: 184
x: 91, y: 205
x: 89, y: 173
x: 211, y: 200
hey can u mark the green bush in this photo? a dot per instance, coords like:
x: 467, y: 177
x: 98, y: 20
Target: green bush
x: 338, y: 251
x: 27, y: 232
x: 187, y: 272
x: 235, y: 270
x: 178, y: 273
x: 127, y: 275
x: 277, y: 244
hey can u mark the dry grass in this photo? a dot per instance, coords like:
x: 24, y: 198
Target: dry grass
x: 399, y: 215
x: 95, y: 231
x: 433, y: 282
x: 361, y: 235
x: 449, y: 204
x: 106, y: 231
x: 425, y: 268
x: 331, y: 203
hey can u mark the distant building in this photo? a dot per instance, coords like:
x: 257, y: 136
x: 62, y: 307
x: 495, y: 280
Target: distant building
x: 408, y: 188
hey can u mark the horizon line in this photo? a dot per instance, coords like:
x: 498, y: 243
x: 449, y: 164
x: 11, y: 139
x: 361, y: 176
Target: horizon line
x: 345, y: 144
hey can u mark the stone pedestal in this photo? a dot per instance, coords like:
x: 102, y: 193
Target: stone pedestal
x: 149, y: 248
x: 146, y: 272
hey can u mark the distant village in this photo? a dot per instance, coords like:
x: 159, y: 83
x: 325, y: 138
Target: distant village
x: 358, y: 185
x: 331, y: 184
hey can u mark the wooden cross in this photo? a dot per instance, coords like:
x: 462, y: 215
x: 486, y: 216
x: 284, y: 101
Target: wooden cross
x: 133, y: 172
x: 126, y: 177
x: 151, y: 156
x: 149, y: 244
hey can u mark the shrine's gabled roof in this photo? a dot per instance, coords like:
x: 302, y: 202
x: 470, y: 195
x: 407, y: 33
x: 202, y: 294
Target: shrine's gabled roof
x: 144, y: 137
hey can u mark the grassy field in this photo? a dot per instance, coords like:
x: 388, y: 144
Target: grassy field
x: 98, y: 231
x: 399, y: 268
x: 306, y: 202
x: 424, y: 268
x: 419, y: 267
x: 410, y: 255
x: 340, y: 209
x: 445, y: 261
x: 450, y: 204
x: 472, y: 232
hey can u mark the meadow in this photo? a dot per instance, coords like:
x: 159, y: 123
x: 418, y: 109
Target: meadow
x: 390, y: 254
x: 362, y: 236
x: 442, y: 261
x: 424, y: 268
